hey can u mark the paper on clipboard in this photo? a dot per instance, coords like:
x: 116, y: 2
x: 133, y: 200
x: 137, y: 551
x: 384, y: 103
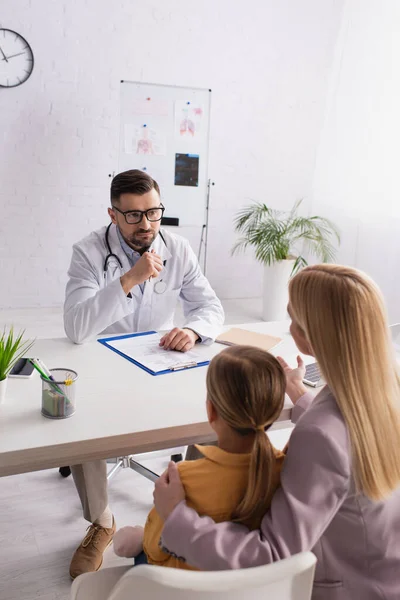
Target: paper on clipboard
x: 235, y: 336
x: 145, y: 349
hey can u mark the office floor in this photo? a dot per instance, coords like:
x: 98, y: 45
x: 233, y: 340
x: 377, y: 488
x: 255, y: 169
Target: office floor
x: 41, y: 520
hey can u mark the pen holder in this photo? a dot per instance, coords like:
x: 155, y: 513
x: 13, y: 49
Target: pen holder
x: 58, y: 396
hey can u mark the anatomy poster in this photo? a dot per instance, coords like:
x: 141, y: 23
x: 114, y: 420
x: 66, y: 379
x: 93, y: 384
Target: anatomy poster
x: 188, y: 120
x: 148, y: 106
x: 187, y: 169
x: 144, y: 140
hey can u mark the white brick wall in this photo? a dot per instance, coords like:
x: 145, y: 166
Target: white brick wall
x: 267, y: 63
x: 356, y: 179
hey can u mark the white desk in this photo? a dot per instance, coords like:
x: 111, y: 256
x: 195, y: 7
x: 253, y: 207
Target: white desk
x: 121, y: 409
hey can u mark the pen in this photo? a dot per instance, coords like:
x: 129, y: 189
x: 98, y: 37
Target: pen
x: 164, y: 263
x: 184, y: 366
x: 38, y: 369
x: 44, y: 369
x: 51, y: 378
x: 47, y: 377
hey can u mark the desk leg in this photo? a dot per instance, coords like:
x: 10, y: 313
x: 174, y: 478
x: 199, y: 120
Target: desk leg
x: 118, y: 465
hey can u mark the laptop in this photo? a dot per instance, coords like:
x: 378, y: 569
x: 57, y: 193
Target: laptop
x: 395, y: 333
x: 313, y: 376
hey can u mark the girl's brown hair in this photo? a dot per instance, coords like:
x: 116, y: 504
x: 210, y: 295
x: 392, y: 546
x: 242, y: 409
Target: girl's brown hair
x: 246, y: 385
x: 343, y: 316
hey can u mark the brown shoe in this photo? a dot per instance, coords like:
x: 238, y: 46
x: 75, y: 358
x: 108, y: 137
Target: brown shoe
x: 89, y: 555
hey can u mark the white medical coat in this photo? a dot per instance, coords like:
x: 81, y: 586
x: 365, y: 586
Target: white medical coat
x: 95, y: 302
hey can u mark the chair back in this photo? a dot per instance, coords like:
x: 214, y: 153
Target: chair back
x: 288, y: 579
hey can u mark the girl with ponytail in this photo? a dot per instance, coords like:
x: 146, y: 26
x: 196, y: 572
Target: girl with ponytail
x: 245, y: 395
x: 236, y: 479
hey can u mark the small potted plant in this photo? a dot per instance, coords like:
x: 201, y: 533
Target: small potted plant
x: 278, y: 239
x: 12, y: 348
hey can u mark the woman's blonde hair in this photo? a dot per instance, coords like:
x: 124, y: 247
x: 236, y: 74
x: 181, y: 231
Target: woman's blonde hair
x: 246, y: 385
x: 343, y: 316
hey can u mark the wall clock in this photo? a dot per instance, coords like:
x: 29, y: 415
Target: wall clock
x: 16, y: 59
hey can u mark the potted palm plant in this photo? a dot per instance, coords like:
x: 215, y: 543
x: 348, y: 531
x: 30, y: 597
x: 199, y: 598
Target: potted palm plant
x: 12, y: 348
x: 279, y: 238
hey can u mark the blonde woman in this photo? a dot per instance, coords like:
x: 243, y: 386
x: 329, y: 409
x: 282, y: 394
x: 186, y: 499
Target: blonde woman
x: 236, y: 480
x: 339, y: 494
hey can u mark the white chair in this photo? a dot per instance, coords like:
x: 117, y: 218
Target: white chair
x: 288, y: 579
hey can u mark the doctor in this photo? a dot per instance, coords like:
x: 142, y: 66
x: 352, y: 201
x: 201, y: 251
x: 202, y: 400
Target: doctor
x: 124, y: 278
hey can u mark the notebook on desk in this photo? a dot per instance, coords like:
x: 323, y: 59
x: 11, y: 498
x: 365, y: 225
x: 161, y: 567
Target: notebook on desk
x: 236, y: 336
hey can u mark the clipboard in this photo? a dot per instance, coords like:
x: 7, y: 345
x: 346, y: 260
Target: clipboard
x: 181, y: 365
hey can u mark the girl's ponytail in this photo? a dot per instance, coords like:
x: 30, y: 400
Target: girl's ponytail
x: 261, y: 481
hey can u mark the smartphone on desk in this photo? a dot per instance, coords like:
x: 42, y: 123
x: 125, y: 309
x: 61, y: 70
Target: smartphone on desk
x: 22, y: 368
x: 313, y: 375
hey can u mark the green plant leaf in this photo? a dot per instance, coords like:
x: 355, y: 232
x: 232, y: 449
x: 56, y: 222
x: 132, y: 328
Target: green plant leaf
x: 12, y: 347
x: 299, y: 264
x: 274, y: 234
x: 265, y: 230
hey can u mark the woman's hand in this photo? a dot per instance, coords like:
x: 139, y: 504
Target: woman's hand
x: 295, y: 387
x: 168, y: 491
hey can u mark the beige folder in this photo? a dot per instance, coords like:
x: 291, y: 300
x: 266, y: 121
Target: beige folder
x: 236, y: 336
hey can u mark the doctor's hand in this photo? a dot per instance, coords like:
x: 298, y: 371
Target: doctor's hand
x: 179, y: 339
x: 149, y: 265
x: 168, y: 491
x: 295, y: 387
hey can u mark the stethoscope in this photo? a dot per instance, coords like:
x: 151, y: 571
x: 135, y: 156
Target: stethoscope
x: 159, y: 287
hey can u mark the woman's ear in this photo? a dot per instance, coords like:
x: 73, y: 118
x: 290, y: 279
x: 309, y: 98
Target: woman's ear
x: 306, y: 344
x: 300, y: 338
x: 310, y: 351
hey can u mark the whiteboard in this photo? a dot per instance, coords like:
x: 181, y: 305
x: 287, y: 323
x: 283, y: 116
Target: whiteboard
x: 164, y: 130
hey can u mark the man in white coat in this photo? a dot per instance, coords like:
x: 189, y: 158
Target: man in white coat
x: 124, y: 278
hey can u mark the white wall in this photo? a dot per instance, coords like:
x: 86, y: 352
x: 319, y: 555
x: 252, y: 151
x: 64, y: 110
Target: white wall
x: 267, y: 63
x: 357, y: 177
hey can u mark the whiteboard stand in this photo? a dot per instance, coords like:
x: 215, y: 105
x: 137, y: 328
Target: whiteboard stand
x: 204, y: 229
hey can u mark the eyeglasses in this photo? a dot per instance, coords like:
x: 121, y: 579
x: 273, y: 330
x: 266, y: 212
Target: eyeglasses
x: 132, y: 217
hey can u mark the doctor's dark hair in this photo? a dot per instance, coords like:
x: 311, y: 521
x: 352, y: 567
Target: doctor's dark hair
x: 132, y: 182
x: 246, y: 386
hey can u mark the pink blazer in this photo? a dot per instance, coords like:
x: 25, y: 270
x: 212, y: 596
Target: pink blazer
x: 356, y: 541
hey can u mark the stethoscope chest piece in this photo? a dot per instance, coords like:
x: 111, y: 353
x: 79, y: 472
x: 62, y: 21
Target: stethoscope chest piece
x: 160, y: 287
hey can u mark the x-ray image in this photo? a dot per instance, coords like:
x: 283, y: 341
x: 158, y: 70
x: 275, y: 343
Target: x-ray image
x: 187, y: 169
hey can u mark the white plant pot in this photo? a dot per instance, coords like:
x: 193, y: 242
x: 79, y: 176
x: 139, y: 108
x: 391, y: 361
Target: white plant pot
x: 3, y: 387
x: 275, y: 290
